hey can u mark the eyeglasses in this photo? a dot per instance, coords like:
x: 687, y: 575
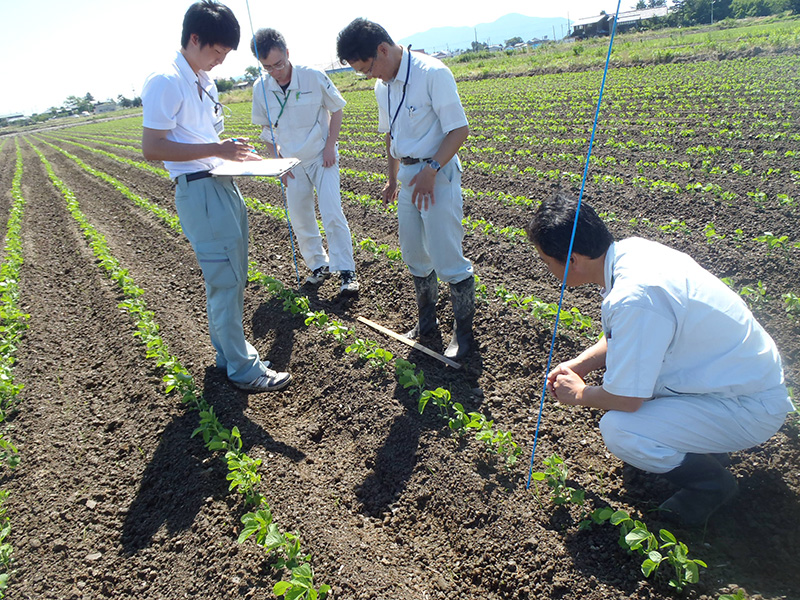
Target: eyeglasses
x: 278, y: 66
x: 368, y: 72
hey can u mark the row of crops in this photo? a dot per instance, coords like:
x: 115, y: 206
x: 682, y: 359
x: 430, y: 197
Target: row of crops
x: 701, y: 156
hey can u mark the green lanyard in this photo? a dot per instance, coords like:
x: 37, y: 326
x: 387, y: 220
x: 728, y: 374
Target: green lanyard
x: 282, y: 104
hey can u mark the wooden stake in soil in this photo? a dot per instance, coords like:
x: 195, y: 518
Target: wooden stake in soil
x: 408, y: 342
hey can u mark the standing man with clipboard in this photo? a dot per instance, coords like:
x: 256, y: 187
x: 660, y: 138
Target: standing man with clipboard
x: 421, y: 115
x: 182, y: 122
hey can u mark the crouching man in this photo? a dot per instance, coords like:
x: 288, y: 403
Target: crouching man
x: 690, y: 374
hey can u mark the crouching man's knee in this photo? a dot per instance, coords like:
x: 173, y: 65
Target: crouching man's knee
x: 616, y: 437
x: 627, y: 436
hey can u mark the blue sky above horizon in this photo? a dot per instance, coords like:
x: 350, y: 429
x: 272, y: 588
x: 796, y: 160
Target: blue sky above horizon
x: 107, y: 48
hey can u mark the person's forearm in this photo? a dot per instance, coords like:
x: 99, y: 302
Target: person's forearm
x: 451, y: 144
x: 591, y: 359
x: 393, y: 165
x: 335, y: 127
x: 594, y: 396
x: 164, y: 149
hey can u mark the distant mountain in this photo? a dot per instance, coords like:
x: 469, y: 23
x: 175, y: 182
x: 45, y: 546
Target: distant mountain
x: 504, y: 28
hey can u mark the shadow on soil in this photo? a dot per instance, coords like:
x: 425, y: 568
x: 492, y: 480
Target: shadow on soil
x: 751, y: 541
x: 396, y: 458
x: 174, y: 486
x: 182, y: 473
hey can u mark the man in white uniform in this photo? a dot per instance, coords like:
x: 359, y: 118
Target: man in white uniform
x: 182, y: 122
x: 303, y: 115
x: 690, y: 374
x: 424, y: 124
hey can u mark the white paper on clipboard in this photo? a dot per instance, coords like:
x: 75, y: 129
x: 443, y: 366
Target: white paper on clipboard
x: 268, y: 167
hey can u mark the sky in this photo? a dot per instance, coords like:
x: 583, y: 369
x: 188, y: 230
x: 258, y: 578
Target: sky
x: 56, y: 48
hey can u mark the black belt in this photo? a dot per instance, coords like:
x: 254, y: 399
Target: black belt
x: 407, y: 160
x: 198, y: 175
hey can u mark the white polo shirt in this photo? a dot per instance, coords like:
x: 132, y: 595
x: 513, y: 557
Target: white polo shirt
x: 300, y: 116
x: 674, y: 328
x: 430, y: 110
x: 172, y: 101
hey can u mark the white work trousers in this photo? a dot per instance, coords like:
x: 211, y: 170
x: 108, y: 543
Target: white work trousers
x: 308, y: 176
x: 432, y: 239
x: 657, y: 437
x: 214, y: 219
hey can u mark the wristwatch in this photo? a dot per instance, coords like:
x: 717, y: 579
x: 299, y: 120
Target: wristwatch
x: 434, y: 164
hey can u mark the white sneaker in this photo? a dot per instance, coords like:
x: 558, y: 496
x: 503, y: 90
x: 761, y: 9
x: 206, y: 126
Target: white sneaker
x: 319, y: 275
x: 350, y: 285
x: 271, y: 381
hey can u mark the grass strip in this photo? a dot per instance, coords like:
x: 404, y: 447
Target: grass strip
x: 13, y: 323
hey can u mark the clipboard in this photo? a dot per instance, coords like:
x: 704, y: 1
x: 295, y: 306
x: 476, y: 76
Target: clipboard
x: 268, y: 167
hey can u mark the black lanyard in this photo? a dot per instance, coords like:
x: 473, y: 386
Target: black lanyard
x: 403, y: 97
x: 217, y: 104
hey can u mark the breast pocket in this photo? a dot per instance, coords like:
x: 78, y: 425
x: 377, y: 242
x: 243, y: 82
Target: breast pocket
x: 306, y: 109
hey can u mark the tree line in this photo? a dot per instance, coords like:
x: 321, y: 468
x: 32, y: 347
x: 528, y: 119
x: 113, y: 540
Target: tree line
x: 685, y: 13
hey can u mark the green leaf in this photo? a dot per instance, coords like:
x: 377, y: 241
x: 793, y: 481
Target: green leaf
x: 247, y: 532
x: 648, y: 566
x: 666, y: 536
x: 619, y: 516
x: 279, y: 589
x: 636, y: 538
x: 692, y: 572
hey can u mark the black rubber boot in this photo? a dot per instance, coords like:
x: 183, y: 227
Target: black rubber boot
x: 723, y: 458
x: 427, y: 292
x: 705, y: 486
x: 462, y: 295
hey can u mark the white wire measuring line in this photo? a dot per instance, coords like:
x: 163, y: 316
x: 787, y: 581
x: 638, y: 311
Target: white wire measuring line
x: 571, y: 240
x: 274, y: 143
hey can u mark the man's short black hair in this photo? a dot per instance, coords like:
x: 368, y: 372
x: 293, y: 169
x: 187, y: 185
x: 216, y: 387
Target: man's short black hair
x: 265, y: 41
x: 360, y: 40
x: 213, y: 23
x: 551, y: 228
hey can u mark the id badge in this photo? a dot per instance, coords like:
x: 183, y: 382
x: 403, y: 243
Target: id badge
x: 219, y: 124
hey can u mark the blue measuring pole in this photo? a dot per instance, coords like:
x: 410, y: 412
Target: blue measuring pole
x: 571, y: 242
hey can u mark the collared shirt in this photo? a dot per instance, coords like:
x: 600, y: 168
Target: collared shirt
x: 300, y: 116
x: 172, y: 101
x: 430, y: 110
x: 674, y: 328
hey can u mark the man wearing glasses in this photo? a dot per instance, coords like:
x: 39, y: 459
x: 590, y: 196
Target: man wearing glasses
x: 182, y: 122
x: 300, y: 111
x: 421, y: 115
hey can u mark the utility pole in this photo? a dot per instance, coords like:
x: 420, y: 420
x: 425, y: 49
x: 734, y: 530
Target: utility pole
x: 712, y: 12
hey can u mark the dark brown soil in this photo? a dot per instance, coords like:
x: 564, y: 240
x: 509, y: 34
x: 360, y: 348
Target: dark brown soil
x: 114, y: 498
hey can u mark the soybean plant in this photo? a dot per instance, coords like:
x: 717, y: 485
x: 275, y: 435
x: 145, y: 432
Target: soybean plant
x: 739, y: 595
x: 635, y: 536
x: 555, y: 475
x: 440, y: 397
x: 286, y: 549
x: 301, y: 585
x: 409, y: 377
x: 772, y: 241
x: 792, y: 304
x: 339, y: 331
x: 368, y: 350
